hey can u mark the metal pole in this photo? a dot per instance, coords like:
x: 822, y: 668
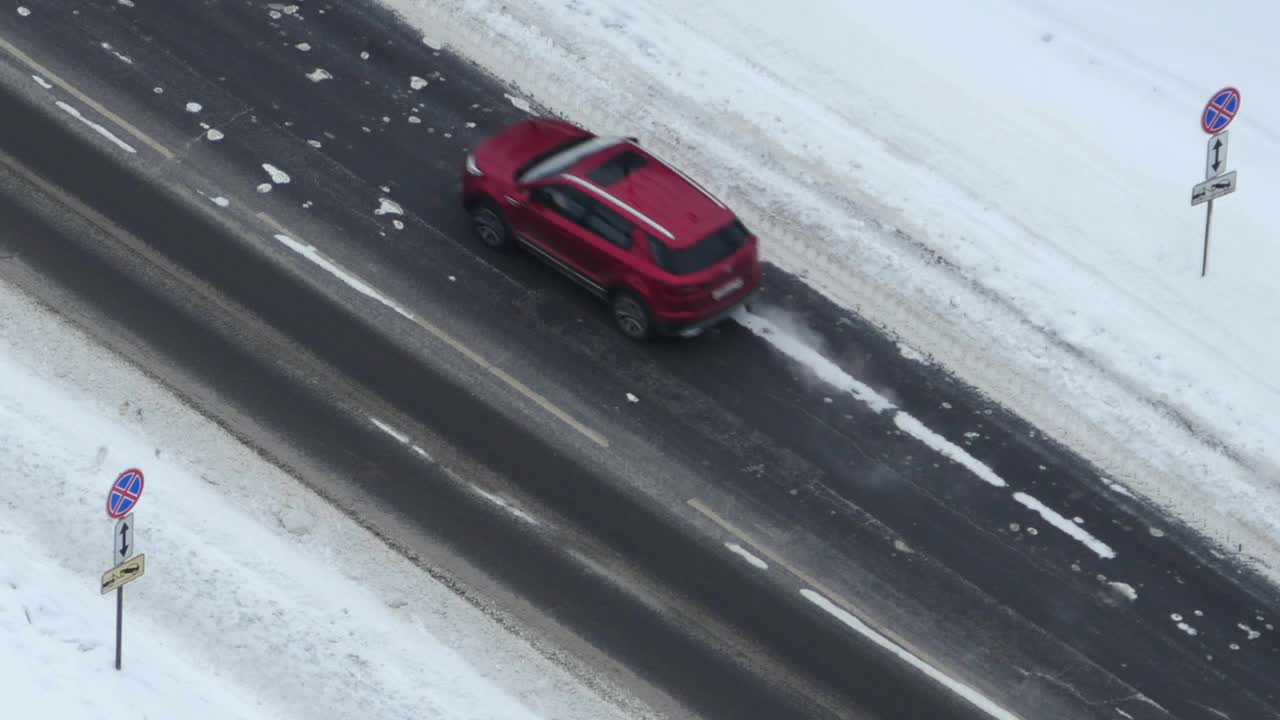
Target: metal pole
x: 119, y: 619
x: 1208, y: 217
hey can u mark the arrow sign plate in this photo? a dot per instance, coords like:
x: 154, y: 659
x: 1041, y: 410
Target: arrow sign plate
x: 125, y: 572
x: 123, y: 540
x: 1214, y: 187
x: 1215, y: 159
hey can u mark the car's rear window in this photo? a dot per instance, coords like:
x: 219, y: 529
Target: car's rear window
x: 703, y: 254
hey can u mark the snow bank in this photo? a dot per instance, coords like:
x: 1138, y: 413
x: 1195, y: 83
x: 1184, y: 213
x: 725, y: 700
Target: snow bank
x: 1004, y: 184
x: 260, y: 600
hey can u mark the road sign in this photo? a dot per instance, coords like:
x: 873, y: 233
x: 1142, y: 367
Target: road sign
x: 1215, y: 158
x: 124, y: 573
x: 122, y: 541
x: 125, y: 492
x: 1214, y: 187
x: 1220, y: 110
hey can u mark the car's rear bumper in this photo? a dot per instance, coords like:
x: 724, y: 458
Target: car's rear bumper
x: 695, y: 327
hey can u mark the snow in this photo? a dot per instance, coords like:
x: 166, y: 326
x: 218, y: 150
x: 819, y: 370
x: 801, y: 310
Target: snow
x: 971, y: 695
x: 1003, y: 184
x: 220, y: 201
x: 214, y: 135
x: 387, y: 206
x: 1124, y: 589
x: 260, y: 599
x: 278, y: 176
x: 75, y: 113
x: 23, y: 11
x: 303, y: 46
x: 194, y: 107
x: 746, y: 554
x: 417, y: 83
x: 319, y: 74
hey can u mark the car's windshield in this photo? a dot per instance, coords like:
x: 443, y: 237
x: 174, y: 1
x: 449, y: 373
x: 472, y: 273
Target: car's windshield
x: 563, y: 157
x: 703, y: 254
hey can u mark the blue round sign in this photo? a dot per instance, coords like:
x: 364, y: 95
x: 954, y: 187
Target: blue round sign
x: 125, y: 493
x: 1220, y: 110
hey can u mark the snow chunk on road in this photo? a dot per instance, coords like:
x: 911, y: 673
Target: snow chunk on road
x: 519, y: 102
x: 214, y: 134
x: 319, y: 74
x: 23, y: 11
x: 417, y: 83
x: 194, y: 107
x: 387, y: 206
x: 1124, y: 589
x: 278, y: 176
x: 220, y: 201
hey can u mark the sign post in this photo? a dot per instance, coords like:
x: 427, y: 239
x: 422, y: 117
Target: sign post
x: 122, y: 498
x: 1217, y: 115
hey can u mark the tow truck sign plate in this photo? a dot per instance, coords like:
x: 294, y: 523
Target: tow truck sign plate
x: 124, y: 573
x: 1214, y: 187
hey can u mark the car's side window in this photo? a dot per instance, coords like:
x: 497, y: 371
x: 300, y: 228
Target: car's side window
x: 584, y: 211
x: 609, y: 225
x: 563, y: 201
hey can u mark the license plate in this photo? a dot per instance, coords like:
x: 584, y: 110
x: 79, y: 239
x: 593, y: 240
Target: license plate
x: 720, y: 292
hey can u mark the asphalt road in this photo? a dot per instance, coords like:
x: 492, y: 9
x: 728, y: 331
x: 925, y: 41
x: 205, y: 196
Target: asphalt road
x: 923, y: 550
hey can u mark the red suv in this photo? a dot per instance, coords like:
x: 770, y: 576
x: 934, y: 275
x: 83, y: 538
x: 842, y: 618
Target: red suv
x: 667, y: 255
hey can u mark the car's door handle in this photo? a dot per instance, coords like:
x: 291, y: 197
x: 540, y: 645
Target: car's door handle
x: 513, y: 201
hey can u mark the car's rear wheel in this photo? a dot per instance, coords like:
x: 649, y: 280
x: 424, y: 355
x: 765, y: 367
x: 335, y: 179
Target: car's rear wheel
x: 631, y: 316
x: 489, y: 225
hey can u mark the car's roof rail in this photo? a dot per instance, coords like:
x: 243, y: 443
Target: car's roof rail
x: 604, y: 194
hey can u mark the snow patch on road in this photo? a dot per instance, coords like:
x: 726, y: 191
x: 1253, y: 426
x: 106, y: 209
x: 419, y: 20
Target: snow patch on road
x: 387, y: 206
x: 194, y: 107
x: 278, y: 176
x: 319, y: 74
x: 417, y: 83
x: 214, y: 135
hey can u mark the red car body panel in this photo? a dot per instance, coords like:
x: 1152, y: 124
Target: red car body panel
x: 658, y: 203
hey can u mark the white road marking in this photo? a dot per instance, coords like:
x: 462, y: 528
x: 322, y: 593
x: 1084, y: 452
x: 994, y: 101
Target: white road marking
x: 75, y: 113
x: 975, y: 698
x: 42, y: 82
x: 829, y: 372
x: 745, y: 554
x: 97, y: 107
x: 503, y: 503
x: 384, y: 427
x: 840, y: 608
x: 1055, y: 519
x: 912, y: 426
x: 314, y: 255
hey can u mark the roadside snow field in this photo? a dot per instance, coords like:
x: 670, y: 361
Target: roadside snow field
x: 1003, y: 184
x: 259, y: 599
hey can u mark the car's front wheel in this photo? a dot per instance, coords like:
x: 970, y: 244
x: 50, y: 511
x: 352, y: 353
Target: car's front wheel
x: 488, y: 224
x: 631, y: 316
